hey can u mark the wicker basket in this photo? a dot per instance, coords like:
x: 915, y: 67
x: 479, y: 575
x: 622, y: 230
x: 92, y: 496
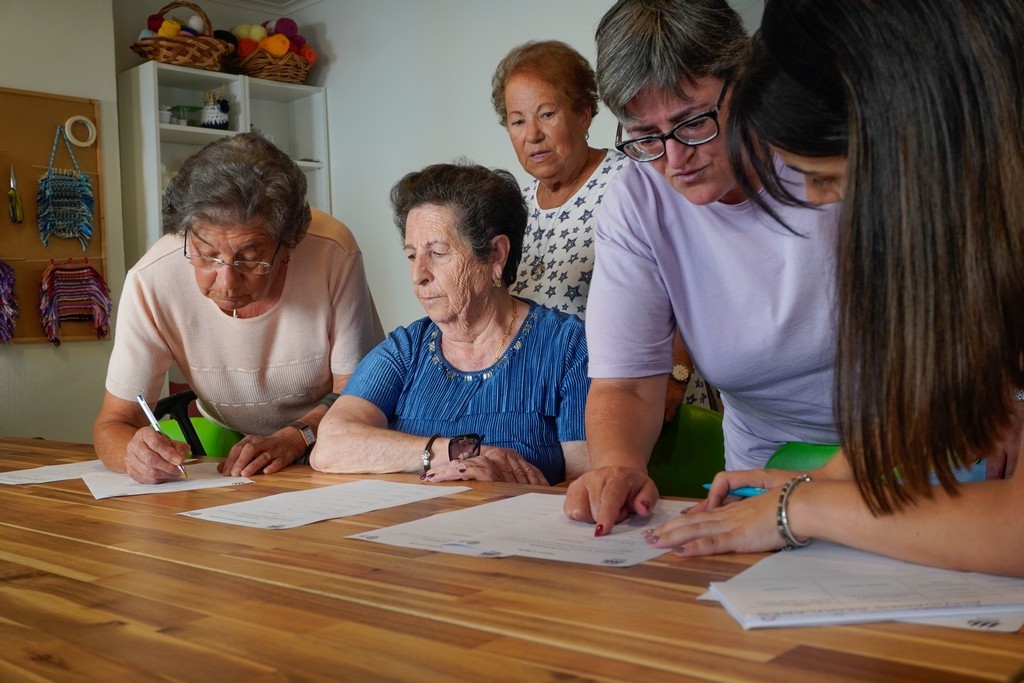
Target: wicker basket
x: 291, y: 68
x: 201, y: 52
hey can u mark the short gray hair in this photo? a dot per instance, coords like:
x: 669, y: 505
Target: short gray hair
x: 235, y: 181
x: 658, y: 43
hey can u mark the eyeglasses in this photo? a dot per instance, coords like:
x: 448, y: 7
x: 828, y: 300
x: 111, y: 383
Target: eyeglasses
x: 464, y: 446
x: 241, y: 267
x: 694, y: 131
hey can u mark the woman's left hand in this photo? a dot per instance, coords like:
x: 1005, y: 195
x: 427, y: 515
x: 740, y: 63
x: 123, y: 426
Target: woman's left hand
x: 746, y: 526
x: 263, y: 454
x: 492, y: 464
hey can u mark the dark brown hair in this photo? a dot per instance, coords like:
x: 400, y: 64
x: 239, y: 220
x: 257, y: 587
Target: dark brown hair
x: 486, y: 203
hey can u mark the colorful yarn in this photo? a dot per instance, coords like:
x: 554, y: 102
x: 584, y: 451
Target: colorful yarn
x: 246, y: 46
x: 276, y: 45
x: 169, y: 28
x: 64, y: 199
x: 8, y: 304
x: 73, y: 293
x: 308, y: 53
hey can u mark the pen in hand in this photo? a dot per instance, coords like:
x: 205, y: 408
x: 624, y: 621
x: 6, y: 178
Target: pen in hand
x: 156, y: 425
x: 743, y: 492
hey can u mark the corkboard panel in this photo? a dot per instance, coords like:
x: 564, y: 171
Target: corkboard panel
x: 27, y: 127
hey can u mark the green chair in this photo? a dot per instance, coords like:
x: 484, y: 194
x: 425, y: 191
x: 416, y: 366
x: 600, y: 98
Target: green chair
x: 689, y: 452
x: 801, y: 456
x: 203, y: 436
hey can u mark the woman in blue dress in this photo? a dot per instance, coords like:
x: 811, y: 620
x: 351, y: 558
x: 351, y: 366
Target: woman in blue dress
x: 487, y: 386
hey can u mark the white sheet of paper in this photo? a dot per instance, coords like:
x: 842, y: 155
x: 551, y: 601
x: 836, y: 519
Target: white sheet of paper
x: 442, y: 532
x: 288, y: 510
x: 43, y: 475
x: 553, y: 536
x: 200, y: 476
x: 1004, y: 622
x: 531, y: 525
x: 832, y: 584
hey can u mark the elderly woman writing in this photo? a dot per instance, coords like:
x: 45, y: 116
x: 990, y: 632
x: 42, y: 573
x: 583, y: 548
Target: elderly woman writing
x: 484, y: 374
x: 262, y: 304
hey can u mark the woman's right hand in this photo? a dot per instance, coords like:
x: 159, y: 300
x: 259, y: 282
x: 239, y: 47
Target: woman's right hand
x: 607, y: 495
x: 152, y: 457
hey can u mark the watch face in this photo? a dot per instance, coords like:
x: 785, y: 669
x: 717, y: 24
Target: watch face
x: 308, y: 435
x: 464, y: 446
x: 680, y: 372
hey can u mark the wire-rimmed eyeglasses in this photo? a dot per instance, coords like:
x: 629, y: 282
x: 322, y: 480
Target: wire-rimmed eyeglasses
x: 242, y: 267
x: 694, y: 131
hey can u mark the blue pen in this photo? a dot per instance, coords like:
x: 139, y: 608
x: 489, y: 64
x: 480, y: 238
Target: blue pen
x: 742, y: 492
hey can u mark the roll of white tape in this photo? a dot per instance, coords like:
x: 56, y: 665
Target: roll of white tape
x: 89, y: 126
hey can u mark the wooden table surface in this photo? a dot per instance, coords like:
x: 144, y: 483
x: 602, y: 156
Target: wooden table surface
x: 125, y: 589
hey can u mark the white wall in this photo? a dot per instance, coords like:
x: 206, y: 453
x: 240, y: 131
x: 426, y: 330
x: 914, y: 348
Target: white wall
x: 67, y: 48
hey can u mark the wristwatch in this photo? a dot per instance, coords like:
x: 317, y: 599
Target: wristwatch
x: 308, y: 435
x: 680, y: 373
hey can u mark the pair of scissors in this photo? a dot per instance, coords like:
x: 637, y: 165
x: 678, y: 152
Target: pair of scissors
x: 14, y: 208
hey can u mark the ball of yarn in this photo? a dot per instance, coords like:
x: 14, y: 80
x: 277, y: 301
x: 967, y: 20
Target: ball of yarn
x: 154, y: 21
x: 226, y: 36
x: 307, y: 53
x: 246, y: 46
x: 276, y: 45
x: 257, y: 33
x: 169, y: 28
x: 242, y: 30
x: 298, y: 40
x: 283, y: 26
x: 188, y: 31
x: 146, y: 33
x: 196, y: 23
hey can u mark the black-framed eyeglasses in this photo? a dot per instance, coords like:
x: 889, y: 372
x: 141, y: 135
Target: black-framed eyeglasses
x: 464, y: 446
x: 694, y: 131
x: 242, y: 267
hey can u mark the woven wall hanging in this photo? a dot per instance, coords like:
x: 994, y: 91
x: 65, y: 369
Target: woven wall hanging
x: 8, y: 304
x: 65, y: 199
x: 71, y: 292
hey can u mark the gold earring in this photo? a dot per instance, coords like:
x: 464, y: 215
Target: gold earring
x: 496, y: 282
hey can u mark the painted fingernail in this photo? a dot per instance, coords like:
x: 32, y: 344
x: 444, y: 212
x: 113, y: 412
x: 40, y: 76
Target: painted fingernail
x: 599, y: 530
x: 681, y: 550
x: 422, y: 477
x: 645, y: 506
x: 430, y: 475
x: 650, y: 536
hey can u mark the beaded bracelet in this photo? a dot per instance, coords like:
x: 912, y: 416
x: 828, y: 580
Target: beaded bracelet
x: 781, y: 517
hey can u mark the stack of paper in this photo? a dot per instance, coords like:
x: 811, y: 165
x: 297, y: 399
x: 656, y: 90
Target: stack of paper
x: 832, y: 584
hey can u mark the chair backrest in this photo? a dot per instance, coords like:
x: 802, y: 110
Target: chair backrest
x: 689, y: 452
x: 202, y: 436
x: 801, y: 457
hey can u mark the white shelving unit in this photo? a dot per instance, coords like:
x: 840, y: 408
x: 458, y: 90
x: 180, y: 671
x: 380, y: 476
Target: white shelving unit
x: 293, y: 116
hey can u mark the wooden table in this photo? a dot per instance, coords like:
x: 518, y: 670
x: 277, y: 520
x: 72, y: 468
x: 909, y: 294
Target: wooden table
x: 125, y: 589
